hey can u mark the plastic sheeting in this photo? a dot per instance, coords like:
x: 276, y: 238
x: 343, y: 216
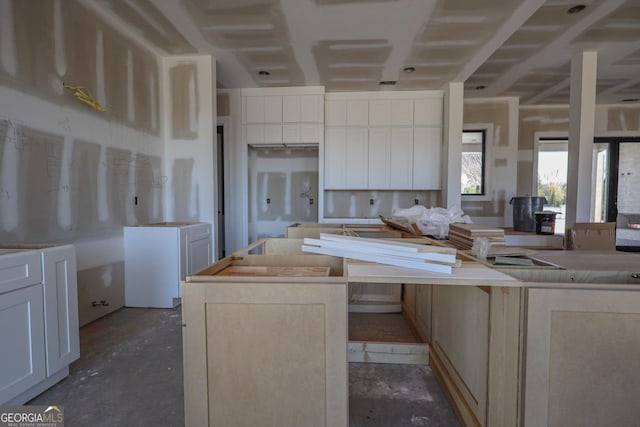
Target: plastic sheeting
x: 432, y: 222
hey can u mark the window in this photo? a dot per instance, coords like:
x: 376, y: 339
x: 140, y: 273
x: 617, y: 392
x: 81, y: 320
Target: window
x: 552, y: 177
x: 473, y: 163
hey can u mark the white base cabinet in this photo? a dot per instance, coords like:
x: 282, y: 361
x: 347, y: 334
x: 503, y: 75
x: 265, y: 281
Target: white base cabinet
x: 38, y: 319
x: 158, y: 256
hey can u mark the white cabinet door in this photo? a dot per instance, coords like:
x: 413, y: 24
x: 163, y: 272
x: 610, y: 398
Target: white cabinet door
x: 401, y: 159
x: 310, y: 133
x: 291, y: 109
x: 357, y: 158
x: 272, y: 134
x: 346, y: 158
x: 335, y: 159
x: 23, y: 341
x: 60, y: 307
x: 199, y: 255
x: 273, y: 109
x: 335, y: 112
x: 380, y: 112
x: 427, y: 149
x: 379, y: 158
x: 357, y: 113
x: 402, y: 112
x: 254, y: 134
x: 254, y: 109
x: 197, y: 252
x: 263, y: 109
x: 428, y: 112
x: 304, y: 133
x: 310, y: 108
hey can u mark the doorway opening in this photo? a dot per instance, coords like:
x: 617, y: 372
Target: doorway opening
x: 220, y: 234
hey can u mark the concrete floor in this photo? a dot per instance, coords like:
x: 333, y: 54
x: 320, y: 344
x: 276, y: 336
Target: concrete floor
x: 130, y: 373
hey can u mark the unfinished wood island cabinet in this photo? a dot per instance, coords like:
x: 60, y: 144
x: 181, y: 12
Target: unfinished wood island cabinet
x: 265, y: 342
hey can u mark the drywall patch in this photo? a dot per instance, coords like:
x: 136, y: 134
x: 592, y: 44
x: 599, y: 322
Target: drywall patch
x: 8, y: 57
x: 84, y: 177
x: 623, y: 119
x: 184, y: 101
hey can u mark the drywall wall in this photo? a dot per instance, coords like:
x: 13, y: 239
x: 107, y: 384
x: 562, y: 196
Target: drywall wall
x: 283, y: 189
x: 371, y: 204
x: 499, y: 116
x: 68, y: 172
x: 188, y: 93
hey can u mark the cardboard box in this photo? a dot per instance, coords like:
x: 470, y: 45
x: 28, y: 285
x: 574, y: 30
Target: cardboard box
x: 592, y: 236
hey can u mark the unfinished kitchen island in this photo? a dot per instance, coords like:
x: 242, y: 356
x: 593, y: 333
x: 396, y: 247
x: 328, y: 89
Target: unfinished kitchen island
x: 265, y: 342
x: 510, y: 347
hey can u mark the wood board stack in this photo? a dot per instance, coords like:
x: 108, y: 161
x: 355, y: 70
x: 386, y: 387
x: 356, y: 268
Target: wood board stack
x: 401, y: 254
x: 462, y: 235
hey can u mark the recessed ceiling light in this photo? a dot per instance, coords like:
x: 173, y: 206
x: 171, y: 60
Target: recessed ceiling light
x: 631, y: 100
x: 409, y: 69
x: 387, y: 83
x: 264, y: 73
x: 576, y: 9
x: 480, y: 87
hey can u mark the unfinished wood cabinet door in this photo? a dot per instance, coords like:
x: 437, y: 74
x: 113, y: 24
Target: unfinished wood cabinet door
x: 265, y: 353
x: 582, y: 352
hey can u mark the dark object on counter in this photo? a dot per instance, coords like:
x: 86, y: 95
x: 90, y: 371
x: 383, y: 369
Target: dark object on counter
x: 523, y: 212
x: 545, y: 222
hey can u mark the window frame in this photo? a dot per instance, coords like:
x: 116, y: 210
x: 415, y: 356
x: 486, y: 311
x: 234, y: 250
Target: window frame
x: 487, y: 131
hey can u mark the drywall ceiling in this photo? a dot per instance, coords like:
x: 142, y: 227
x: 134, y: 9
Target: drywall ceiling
x: 496, y: 47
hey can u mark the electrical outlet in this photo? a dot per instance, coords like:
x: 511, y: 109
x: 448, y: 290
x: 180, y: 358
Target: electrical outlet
x: 268, y: 201
x: 371, y: 202
x: 135, y: 200
x: 415, y: 201
x: 310, y: 200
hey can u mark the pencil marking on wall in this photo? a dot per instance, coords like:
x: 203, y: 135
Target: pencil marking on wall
x: 7, y: 38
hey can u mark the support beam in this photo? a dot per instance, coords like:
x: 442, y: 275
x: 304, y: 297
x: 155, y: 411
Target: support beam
x: 582, y: 108
x: 452, y: 144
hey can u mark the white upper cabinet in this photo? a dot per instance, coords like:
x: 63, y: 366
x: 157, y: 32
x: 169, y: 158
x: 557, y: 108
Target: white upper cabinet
x: 427, y: 150
x: 301, y: 108
x: 346, y: 158
x: 311, y: 108
x: 428, y: 112
x: 273, y: 109
x: 335, y: 112
x: 263, y: 109
x: 283, y: 115
x: 402, y: 112
x: 379, y: 166
x: 254, y: 109
x: 401, y: 159
x: 399, y: 140
x: 380, y: 112
x: 357, y: 112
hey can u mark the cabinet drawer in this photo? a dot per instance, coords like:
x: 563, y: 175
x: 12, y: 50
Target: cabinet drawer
x: 199, y: 232
x: 19, y: 269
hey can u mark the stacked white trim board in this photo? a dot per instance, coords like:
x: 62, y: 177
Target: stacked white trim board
x: 422, y: 257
